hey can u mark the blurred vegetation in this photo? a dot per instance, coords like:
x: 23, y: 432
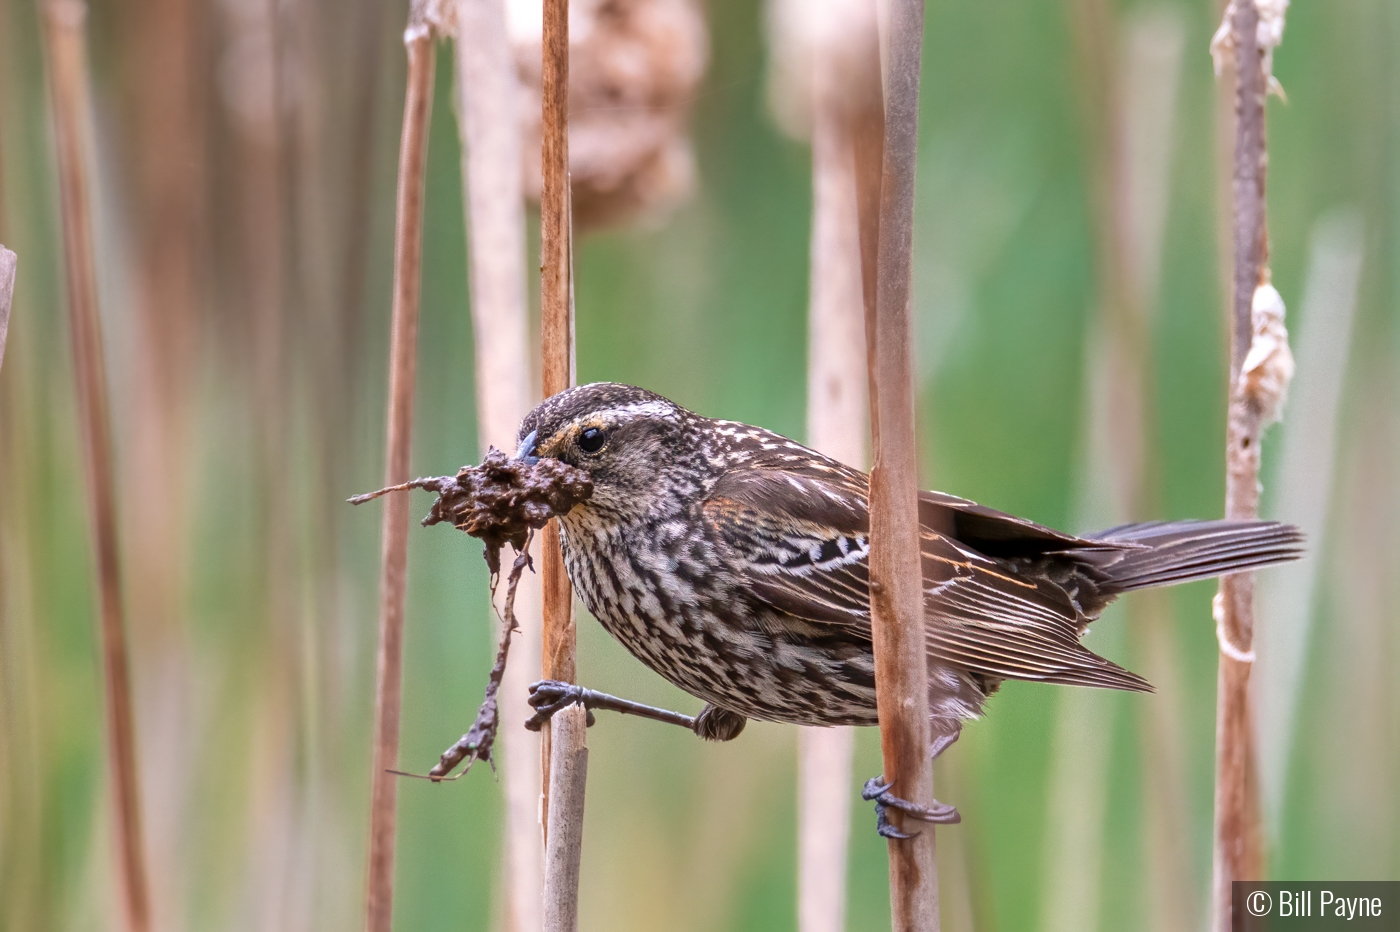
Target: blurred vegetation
x: 259, y: 167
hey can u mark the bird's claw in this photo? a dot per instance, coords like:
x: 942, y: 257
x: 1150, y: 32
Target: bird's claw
x: 549, y: 696
x: 877, y: 791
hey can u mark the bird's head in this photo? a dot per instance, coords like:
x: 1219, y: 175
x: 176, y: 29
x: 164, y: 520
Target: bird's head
x: 630, y: 441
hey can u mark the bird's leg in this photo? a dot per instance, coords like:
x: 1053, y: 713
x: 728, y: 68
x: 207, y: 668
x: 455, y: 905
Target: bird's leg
x: 716, y: 724
x: 549, y: 696
x: 943, y: 741
x: 878, y: 790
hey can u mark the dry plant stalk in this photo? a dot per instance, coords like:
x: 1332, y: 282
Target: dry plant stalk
x: 568, y: 775
x: 488, y: 96
x: 1128, y: 66
x: 1305, y: 479
x: 817, y: 76
x: 896, y: 589
x: 560, y: 638
x: 8, y: 262
x: 408, y: 251
x: 1238, y: 851
x: 66, y: 59
x: 837, y: 409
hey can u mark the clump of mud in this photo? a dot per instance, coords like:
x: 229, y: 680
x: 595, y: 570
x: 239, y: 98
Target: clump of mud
x: 502, y: 501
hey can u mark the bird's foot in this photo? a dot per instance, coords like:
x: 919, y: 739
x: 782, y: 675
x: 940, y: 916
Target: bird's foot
x: 550, y: 696
x: 878, y: 791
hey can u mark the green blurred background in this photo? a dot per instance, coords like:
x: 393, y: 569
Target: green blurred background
x: 245, y: 159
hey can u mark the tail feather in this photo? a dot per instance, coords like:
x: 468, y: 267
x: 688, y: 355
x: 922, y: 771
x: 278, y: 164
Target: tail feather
x: 1181, y: 551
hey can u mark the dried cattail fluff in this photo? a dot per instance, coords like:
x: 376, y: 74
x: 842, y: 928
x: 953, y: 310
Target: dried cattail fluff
x: 812, y: 58
x: 1268, y: 366
x: 634, y: 66
x: 1269, y: 36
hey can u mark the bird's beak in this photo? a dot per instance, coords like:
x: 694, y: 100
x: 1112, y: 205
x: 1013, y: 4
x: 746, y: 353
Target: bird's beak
x: 527, y: 449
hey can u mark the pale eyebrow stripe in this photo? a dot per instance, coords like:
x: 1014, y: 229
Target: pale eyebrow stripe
x: 642, y: 408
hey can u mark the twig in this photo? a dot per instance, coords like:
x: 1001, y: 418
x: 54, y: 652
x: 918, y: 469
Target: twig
x: 837, y: 422
x: 408, y: 248
x: 1238, y: 851
x: 65, y: 41
x: 488, y: 95
x: 896, y: 591
x: 8, y: 263
x: 568, y: 774
x: 559, y: 641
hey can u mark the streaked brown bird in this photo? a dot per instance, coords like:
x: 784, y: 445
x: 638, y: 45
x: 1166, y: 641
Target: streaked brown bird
x: 732, y: 561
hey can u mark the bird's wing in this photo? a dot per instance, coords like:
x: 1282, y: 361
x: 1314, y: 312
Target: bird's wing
x: 984, y: 615
x: 799, y: 537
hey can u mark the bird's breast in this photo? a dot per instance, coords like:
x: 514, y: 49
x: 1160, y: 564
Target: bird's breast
x: 665, y: 594
x: 629, y: 579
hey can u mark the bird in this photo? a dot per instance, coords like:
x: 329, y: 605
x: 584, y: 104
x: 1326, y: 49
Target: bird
x: 734, y: 562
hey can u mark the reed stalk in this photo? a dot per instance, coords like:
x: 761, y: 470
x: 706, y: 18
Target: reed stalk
x: 408, y: 253
x: 565, y: 754
x: 896, y: 589
x: 837, y: 414
x: 568, y: 774
x: 8, y: 264
x: 1305, y: 481
x: 1128, y: 79
x: 65, y: 44
x: 1238, y: 850
x: 560, y: 638
x: 488, y: 96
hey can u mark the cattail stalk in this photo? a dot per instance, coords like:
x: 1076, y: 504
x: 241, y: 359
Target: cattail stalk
x: 66, y: 59
x: 1238, y: 853
x: 837, y: 412
x: 896, y: 588
x: 403, y: 350
x: 560, y: 641
x: 1305, y: 479
x: 8, y: 263
x: 568, y: 774
x: 488, y: 95
x: 1128, y: 73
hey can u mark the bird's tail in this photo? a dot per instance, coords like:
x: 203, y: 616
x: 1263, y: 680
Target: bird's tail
x: 1179, y: 551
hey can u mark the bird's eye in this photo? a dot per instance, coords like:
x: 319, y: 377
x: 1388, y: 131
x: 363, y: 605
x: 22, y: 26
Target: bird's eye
x: 592, y: 440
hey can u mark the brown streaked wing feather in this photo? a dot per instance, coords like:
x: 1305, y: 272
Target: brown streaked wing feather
x: 799, y: 540
x: 998, y: 534
x: 983, y: 616
x: 792, y: 534
x: 830, y: 496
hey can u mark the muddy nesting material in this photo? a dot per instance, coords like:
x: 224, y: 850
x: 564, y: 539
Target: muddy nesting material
x: 502, y: 501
